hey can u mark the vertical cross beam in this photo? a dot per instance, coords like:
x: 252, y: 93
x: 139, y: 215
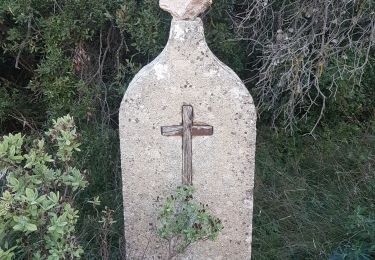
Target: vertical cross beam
x: 187, y: 130
x: 187, y: 150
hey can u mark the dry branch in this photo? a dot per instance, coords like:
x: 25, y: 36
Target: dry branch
x: 298, y: 43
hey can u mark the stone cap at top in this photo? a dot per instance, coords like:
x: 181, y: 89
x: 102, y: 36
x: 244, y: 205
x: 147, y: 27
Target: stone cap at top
x: 185, y: 9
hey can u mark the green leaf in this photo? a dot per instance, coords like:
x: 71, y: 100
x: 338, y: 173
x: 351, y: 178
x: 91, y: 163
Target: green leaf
x: 17, y: 158
x: 30, y: 194
x: 12, y: 181
x: 54, y: 197
x: 31, y: 227
x: 18, y: 227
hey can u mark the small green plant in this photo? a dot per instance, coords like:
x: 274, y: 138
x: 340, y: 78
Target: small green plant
x: 183, y: 221
x: 105, y: 230
x: 37, y: 217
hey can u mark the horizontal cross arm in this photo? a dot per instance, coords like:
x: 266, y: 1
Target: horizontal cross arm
x: 174, y: 130
x: 196, y: 130
x: 202, y: 130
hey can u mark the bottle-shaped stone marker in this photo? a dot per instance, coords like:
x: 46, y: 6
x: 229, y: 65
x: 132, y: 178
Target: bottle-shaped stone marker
x: 186, y: 118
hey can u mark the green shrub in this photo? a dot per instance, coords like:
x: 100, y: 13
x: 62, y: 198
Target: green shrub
x: 183, y: 221
x: 37, y: 214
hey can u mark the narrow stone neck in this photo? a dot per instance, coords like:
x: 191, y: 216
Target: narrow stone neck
x: 186, y: 35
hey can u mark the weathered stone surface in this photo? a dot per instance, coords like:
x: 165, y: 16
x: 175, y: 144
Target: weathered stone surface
x: 185, y: 9
x: 187, y: 73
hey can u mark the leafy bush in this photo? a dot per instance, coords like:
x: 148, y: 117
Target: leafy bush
x: 183, y: 221
x: 37, y: 214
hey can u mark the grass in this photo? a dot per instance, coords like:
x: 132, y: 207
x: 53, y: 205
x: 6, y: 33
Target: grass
x: 101, y: 157
x: 315, y: 198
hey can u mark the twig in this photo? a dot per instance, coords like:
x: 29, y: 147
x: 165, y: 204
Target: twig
x: 23, y: 44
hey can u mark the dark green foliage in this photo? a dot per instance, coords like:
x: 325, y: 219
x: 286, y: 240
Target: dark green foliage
x: 148, y: 27
x: 17, y: 102
x: 5, y: 103
x: 221, y: 37
x: 82, y: 54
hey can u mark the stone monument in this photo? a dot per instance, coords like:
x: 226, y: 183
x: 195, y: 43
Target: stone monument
x: 186, y: 118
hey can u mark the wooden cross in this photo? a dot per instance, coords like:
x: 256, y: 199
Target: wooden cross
x: 187, y: 130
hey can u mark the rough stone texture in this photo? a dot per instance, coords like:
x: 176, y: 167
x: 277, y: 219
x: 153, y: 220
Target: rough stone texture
x: 186, y: 72
x: 185, y: 9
